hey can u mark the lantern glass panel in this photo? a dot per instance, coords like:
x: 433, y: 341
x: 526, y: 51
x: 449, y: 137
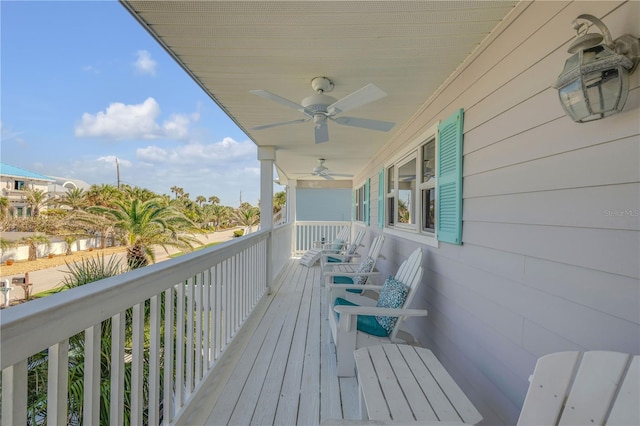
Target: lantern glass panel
x: 572, y: 99
x: 603, y: 90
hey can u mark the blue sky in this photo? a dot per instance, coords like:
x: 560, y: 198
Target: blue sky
x: 82, y: 83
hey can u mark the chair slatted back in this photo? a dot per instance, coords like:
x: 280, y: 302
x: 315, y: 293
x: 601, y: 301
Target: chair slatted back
x: 410, y: 274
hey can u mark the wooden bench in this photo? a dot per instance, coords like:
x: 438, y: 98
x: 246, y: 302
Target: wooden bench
x: 407, y: 384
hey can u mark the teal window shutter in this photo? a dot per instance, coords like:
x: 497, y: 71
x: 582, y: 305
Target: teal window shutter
x: 367, y: 201
x: 449, y: 172
x: 381, y: 197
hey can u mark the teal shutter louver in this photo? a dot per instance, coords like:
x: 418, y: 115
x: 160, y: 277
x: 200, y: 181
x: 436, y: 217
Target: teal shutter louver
x: 381, y: 199
x: 367, y: 201
x: 449, y: 175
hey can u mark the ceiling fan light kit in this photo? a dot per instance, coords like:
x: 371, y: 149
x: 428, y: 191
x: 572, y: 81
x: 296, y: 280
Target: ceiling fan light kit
x: 321, y: 107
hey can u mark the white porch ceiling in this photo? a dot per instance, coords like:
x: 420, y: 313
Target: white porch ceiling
x: 406, y: 48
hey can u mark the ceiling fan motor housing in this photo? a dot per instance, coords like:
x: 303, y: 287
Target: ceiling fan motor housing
x: 317, y: 103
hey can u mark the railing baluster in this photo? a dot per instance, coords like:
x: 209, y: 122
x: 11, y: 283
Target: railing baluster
x: 198, y: 338
x: 154, y: 361
x: 190, y: 343
x: 206, y: 301
x: 92, y: 348
x: 218, y: 312
x: 179, y: 346
x: 14, y: 394
x: 116, y: 411
x: 137, y: 363
x: 57, y: 383
x: 167, y: 404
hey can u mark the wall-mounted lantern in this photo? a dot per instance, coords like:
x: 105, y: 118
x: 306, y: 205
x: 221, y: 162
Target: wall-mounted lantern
x: 595, y: 80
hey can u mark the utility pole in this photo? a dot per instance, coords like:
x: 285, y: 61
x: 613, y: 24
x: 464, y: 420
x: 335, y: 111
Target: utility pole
x: 118, y: 172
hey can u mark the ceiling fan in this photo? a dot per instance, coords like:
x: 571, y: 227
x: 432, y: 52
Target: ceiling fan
x: 321, y: 107
x: 323, y: 171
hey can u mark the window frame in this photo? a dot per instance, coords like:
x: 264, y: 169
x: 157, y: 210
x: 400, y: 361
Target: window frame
x: 414, y: 151
x: 360, y: 203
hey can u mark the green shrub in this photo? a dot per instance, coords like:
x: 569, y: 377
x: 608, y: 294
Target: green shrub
x: 238, y: 233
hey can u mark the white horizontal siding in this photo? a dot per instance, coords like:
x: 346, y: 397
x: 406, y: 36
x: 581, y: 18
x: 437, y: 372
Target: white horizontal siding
x: 551, y: 233
x: 606, y: 207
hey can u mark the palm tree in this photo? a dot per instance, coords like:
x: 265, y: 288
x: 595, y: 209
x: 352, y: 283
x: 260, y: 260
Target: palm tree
x: 32, y: 241
x: 141, y: 194
x: 214, y: 200
x: 148, y: 223
x: 76, y: 198
x: 279, y: 200
x: 177, y: 190
x: 4, y: 207
x: 200, y: 200
x: 103, y: 195
x: 36, y: 199
x: 219, y: 213
x: 247, y: 216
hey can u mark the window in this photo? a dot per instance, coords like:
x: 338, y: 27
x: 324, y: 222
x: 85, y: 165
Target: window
x: 391, y: 202
x: 401, y: 197
x: 424, y: 185
x: 427, y: 186
x: 19, y: 185
x: 361, y: 203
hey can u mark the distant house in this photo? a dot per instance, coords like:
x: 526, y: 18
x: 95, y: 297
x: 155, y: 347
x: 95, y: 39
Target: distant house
x: 59, y: 187
x: 14, y: 181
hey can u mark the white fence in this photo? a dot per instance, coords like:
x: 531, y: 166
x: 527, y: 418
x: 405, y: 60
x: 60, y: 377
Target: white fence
x: 169, y: 324
x: 309, y: 232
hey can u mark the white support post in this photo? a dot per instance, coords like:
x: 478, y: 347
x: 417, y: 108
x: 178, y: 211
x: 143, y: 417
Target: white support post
x: 291, y: 213
x: 267, y: 157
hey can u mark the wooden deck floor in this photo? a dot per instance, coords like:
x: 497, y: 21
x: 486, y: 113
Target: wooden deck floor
x: 284, y: 369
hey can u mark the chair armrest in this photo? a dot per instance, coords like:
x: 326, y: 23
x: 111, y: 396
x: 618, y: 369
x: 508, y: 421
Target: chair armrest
x: 339, y: 256
x: 372, y: 310
x: 354, y: 287
x: 350, y: 274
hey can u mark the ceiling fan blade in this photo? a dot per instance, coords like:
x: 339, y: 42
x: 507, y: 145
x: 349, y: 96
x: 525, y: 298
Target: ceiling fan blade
x: 322, y: 133
x: 340, y: 174
x: 382, y: 126
x: 284, y: 123
x: 279, y: 99
x: 327, y: 177
x: 362, y: 96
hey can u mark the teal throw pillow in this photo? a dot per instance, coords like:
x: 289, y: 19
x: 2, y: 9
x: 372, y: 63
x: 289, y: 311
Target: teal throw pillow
x: 337, y: 245
x: 365, y: 266
x: 392, y: 295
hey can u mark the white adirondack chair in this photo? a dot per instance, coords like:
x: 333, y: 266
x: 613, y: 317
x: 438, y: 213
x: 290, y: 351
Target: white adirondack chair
x: 599, y: 388
x: 344, y: 273
x: 343, y: 319
x: 346, y: 255
x: 337, y: 245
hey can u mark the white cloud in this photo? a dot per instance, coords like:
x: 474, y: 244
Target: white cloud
x: 111, y: 160
x: 144, y: 64
x: 227, y: 150
x: 137, y: 121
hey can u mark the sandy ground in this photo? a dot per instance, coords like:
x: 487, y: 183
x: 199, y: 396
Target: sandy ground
x: 46, y: 274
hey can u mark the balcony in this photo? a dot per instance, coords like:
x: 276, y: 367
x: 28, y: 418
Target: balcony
x: 255, y: 349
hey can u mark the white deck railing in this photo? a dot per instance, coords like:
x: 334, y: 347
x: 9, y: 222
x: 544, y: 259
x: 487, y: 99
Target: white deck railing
x: 169, y: 324
x: 309, y: 232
